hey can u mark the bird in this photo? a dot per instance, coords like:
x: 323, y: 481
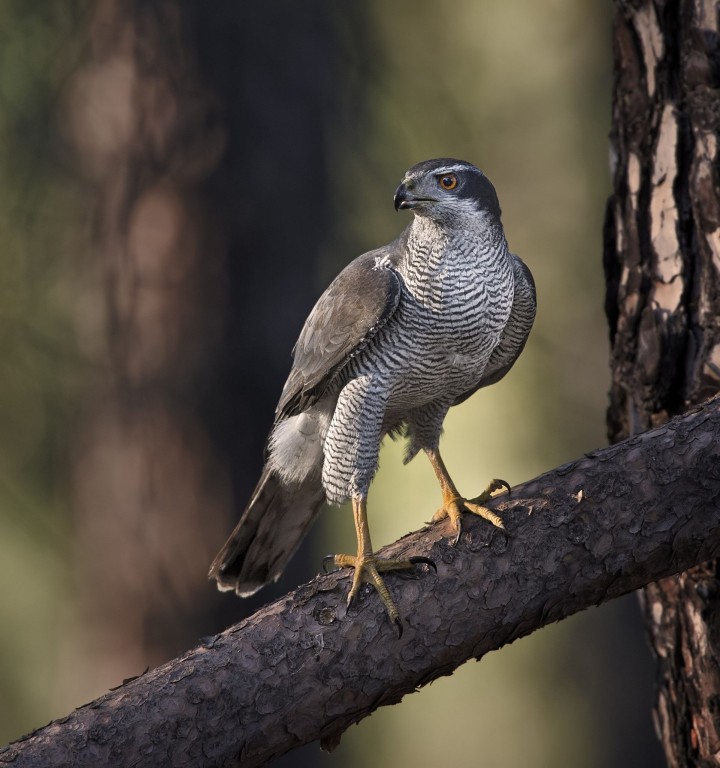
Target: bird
x: 402, y: 334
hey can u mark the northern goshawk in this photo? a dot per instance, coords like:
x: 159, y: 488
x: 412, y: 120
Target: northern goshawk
x: 403, y: 333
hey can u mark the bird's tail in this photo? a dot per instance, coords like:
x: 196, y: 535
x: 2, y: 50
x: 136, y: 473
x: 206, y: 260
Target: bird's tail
x: 268, y: 533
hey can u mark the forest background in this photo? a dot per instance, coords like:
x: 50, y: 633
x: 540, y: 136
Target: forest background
x: 178, y: 183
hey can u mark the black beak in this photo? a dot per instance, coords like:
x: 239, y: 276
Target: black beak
x: 405, y: 199
x: 402, y: 197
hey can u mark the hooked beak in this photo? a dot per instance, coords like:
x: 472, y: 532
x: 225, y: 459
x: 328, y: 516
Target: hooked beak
x: 404, y: 198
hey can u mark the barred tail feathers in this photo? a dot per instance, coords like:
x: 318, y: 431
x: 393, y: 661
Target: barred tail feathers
x: 268, y: 533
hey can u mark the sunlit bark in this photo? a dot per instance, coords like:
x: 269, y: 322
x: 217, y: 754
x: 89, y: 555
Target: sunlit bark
x: 662, y: 257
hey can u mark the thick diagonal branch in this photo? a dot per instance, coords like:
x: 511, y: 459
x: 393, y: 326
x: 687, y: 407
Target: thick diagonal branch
x: 302, y: 669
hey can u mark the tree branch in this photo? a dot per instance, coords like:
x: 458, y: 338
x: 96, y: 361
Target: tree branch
x: 303, y: 668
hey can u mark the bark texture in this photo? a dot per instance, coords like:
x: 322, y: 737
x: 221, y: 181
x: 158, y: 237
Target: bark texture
x: 662, y: 258
x: 302, y: 668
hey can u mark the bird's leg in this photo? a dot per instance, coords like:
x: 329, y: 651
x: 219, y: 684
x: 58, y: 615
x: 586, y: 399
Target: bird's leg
x: 453, y: 503
x: 368, y: 568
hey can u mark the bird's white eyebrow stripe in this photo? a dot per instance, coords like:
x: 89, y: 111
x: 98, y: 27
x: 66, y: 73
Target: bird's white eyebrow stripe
x: 443, y: 169
x: 451, y: 168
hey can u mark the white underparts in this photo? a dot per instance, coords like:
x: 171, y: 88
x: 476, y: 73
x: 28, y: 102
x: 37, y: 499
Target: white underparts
x: 296, y: 445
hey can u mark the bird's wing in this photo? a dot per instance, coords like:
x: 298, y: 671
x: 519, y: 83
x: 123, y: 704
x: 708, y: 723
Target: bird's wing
x: 516, y: 332
x: 357, y: 303
x: 360, y: 300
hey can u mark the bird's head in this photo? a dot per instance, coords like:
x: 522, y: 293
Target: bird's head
x: 446, y: 189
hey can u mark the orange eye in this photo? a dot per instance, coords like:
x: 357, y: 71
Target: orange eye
x: 449, y: 181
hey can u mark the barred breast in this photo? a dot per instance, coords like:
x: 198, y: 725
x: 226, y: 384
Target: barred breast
x: 455, y: 303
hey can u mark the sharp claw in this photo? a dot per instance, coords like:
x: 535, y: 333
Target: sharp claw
x: 325, y: 562
x: 505, y: 485
x: 398, y: 624
x: 459, y: 532
x: 426, y: 560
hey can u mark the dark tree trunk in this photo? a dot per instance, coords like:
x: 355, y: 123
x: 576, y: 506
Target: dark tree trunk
x: 151, y: 490
x: 662, y: 260
x: 193, y: 135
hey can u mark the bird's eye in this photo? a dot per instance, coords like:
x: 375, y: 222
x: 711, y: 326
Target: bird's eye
x: 448, y: 181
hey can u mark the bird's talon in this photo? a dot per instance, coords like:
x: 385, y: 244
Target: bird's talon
x: 441, y: 514
x: 398, y: 624
x: 325, y: 562
x: 456, y: 540
x: 491, y: 491
x: 354, y: 590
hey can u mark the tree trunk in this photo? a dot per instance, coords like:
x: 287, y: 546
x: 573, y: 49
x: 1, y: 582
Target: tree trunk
x: 662, y: 260
x: 150, y: 489
x: 186, y: 126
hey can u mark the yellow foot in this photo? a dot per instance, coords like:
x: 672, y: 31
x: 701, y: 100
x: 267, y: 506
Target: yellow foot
x: 453, y: 507
x: 368, y: 570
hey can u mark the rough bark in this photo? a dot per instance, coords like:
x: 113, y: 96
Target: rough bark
x: 305, y: 668
x: 662, y: 257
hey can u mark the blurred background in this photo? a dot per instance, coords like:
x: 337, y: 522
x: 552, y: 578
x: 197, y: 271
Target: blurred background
x: 179, y: 180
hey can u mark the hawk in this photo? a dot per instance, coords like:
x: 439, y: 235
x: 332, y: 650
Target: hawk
x: 401, y: 335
